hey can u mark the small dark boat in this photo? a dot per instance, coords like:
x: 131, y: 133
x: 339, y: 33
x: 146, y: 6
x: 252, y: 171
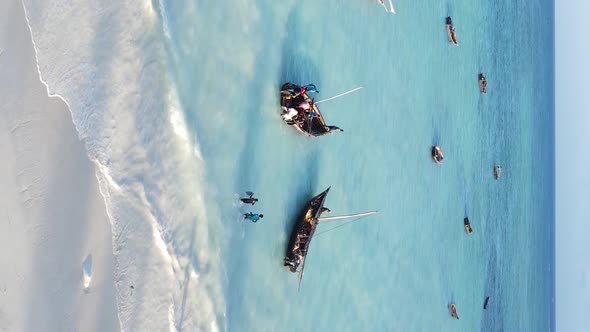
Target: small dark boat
x: 453, y: 311
x: 497, y: 171
x: 485, y: 303
x: 309, y: 122
x: 304, y: 229
x: 437, y: 154
x: 451, y: 31
x: 467, y: 225
x: 483, y: 83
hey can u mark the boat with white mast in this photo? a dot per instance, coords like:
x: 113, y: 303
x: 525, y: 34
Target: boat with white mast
x: 299, y: 110
x: 305, y: 228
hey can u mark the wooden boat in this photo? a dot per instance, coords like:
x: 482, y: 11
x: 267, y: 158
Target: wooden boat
x: 305, y: 228
x: 467, y: 225
x: 300, y: 111
x: 304, y: 122
x: 497, y: 171
x: 485, y: 302
x: 451, y: 31
x: 483, y: 83
x: 382, y: 3
x: 437, y: 155
x: 453, y: 311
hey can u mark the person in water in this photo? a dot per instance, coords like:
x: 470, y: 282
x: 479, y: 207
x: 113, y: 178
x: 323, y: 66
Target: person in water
x: 250, y: 199
x: 253, y: 217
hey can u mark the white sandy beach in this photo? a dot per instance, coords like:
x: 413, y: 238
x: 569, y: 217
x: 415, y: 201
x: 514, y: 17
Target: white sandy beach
x: 52, y: 216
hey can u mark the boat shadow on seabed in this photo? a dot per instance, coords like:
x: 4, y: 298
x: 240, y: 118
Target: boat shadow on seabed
x: 297, y: 65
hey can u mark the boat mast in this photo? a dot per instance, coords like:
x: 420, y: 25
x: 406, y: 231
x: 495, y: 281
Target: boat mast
x: 368, y: 213
x: 300, y: 277
x: 340, y: 95
x: 391, y: 5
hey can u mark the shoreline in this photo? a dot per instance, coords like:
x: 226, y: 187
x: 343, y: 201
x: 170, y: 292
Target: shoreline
x: 56, y: 233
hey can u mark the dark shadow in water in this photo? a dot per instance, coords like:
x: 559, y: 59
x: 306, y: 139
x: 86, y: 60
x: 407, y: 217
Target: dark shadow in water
x: 449, y: 10
x: 491, y: 319
x: 297, y: 65
x: 297, y: 68
x: 435, y: 140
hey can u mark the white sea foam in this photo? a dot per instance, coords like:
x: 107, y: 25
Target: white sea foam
x: 105, y: 59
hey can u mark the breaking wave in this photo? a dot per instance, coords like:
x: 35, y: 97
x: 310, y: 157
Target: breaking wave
x: 106, y: 60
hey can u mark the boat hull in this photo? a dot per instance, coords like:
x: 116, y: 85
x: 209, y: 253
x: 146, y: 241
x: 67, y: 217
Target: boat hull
x: 453, y: 311
x: 436, y: 152
x: 483, y: 84
x: 451, y: 31
x: 467, y: 225
x: 303, y: 231
x: 308, y: 125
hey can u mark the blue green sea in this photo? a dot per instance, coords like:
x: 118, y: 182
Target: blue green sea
x: 181, y: 115
x: 399, y: 270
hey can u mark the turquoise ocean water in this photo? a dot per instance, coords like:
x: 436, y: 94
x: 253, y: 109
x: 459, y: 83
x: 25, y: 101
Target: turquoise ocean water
x: 399, y: 270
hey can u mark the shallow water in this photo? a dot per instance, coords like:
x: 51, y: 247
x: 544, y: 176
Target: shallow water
x: 213, y: 70
x: 399, y: 270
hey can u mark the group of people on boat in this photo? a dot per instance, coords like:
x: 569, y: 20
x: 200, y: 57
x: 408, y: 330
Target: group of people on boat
x: 253, y: 217
x: 298, y: 109
x: 303, y: 237
x: 302, y: 242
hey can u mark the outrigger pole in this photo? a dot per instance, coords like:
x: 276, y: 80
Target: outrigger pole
x: 391, y: 5
x: 324, y: 219
x: 300, y: 277
x: 340, y: 95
